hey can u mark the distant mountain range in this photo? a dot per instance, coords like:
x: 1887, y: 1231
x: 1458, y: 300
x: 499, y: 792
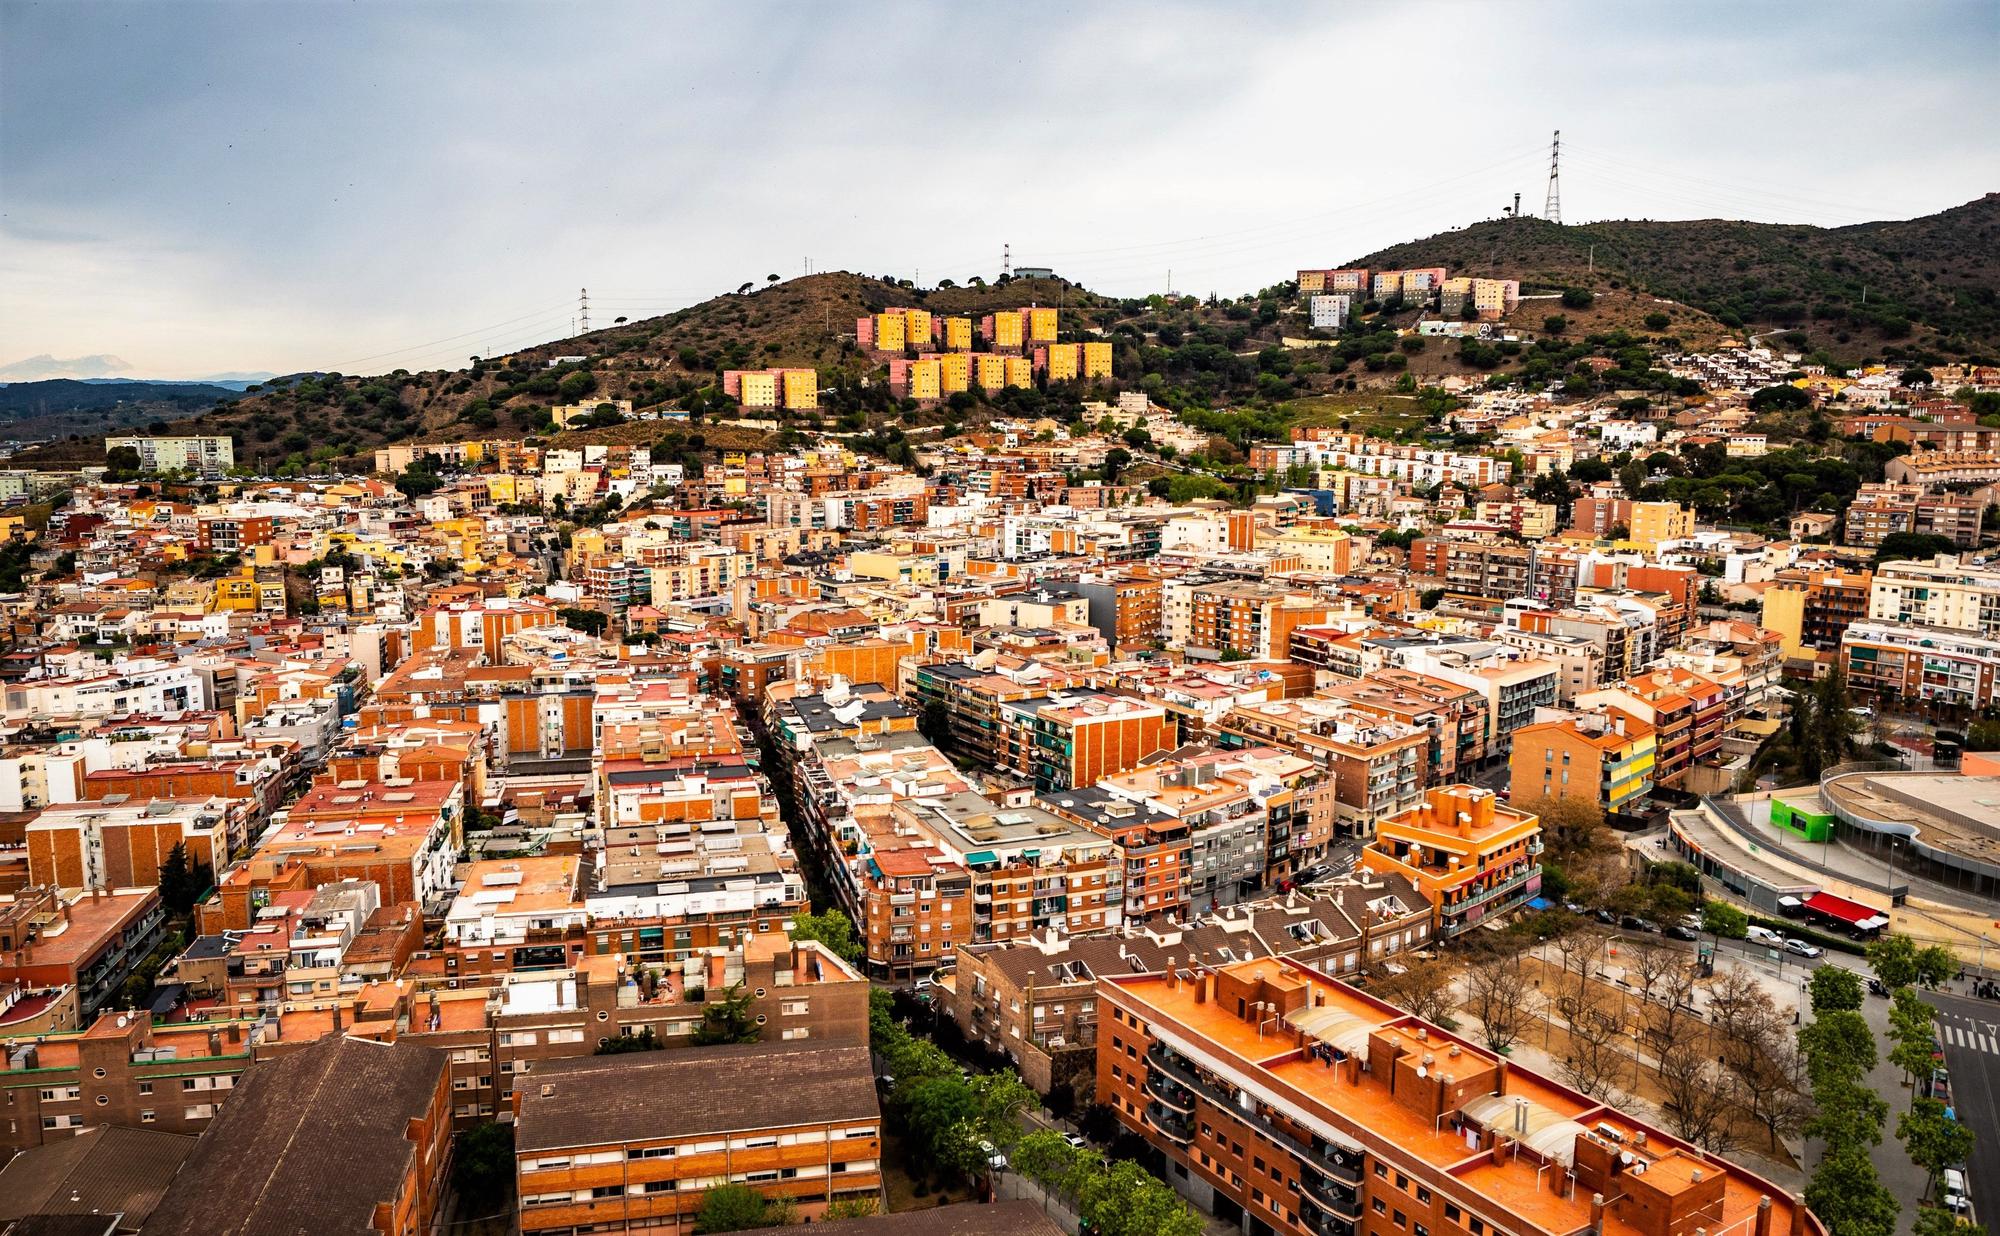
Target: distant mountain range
x: 105, y: 367
x: 62, y: 406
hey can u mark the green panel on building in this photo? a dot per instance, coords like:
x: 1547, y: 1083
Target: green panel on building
x: 1808, y: 818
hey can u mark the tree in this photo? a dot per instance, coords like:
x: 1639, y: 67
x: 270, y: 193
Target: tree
x: 1658, y: 321
x: 1918, y: 545
x: 1937, y: 1221
x: 731, y: 1208
x: 1696, y: 1098
x: 1898, y: 962
x: 1754, y: 1040
x: 1498, y: 996
x: 1577, y: 298
x: 1046, y: 1157
x: 1780, y: 399
x: 1849, y: 1197
x: 1127, y: 1200
x: 1722, y: 920
x: 1834, y: 989
x: 728, y: 1020
x: 1423, y: 987
x: 1555, y: 324
x: 1911, y: 1030
x: 1595, y: 1058
x: 833, y: 929
x: 418, y: 482
x: 1115, y: 461
x: 1933, y: 1140
x: 1838, y: 1046
x: 482, y: 1167
x: 588, y: 621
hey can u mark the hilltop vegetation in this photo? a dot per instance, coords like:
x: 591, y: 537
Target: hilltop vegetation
x: 1928, y: 285
x: 60, y: 406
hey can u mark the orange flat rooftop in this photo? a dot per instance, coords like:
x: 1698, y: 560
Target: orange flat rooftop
x: 1298, y: 1063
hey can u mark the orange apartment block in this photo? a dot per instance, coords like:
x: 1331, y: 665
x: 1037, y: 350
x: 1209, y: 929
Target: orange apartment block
x: 402, y: 835
x: 1069, y: 740
x: 480, y: 625
x: 123, y: 845
x: 1472, y: 856
x: 1295, y: 1103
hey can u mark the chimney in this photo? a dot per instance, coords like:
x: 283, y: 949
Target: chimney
x: 235, y: 1032
x: 214, y: 1042
x: 1763, y: 1227
x: 1597, y: 1212
x: 339, y: 1012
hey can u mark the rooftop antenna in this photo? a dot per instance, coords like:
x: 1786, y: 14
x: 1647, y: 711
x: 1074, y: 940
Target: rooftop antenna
x: 1006, y: 261
x: 1552, y: 209
x: 583, y: 308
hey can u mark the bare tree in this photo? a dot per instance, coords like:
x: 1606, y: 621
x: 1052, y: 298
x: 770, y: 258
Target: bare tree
x: 1697, y: 1103
x: 1651, y: 962
x: 1595, y: 1058
x: 1580, y: 951
x: 1753, y: 1038
x: 1673, y: 1015
x: 1499, y: 998
x: 1422, y: 987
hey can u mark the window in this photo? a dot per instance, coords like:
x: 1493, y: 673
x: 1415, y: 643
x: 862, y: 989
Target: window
x: 145, y: 1087
x: 1399, y: 1219
x: 1377, y: 1206
x: 147, y: 1117
x: 1423, y: 1195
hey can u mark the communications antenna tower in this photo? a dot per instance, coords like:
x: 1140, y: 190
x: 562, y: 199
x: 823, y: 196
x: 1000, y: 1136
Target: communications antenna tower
x: 583, y: 307
x: 1552, y: 208
x: 1006, y: 261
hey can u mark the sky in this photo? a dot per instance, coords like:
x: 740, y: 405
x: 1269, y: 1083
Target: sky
x: 282, y: 185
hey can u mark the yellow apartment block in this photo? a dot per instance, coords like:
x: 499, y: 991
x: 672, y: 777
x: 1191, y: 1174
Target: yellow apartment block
x: 801, y: 388
x: 1041, y: 325
x: 1657, y: 522
x: 991, y: 371
x: 758, y: 390
x: 958, y: 334
x: 1007, y: 328
x: 889, y: 333
x: 235, y: 592
x: 1097, y: 360
x: 917, y: 326
x: 924, y: 379
x: 954, y: 372
x: 1020, y: 371
x: 1065, y: 361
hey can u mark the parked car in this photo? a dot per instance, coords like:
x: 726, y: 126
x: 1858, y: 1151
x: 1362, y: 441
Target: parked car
x: 1876, y: 987
x: 1632, y: 922
x: 1680, y: 931
x: 1799, y: 948
x: 994, y: 1159
x: 1763, y: 935
x: 1607, y: 918
x: 1076, y: 1141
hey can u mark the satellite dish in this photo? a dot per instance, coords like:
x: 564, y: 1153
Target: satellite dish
x: 1422, y: 1072
x: 1625, y: 1157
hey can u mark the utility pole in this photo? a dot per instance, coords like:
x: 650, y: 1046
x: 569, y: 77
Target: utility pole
x: 1593, y: 259
x: 583, y: 307
x: 1552, y: 208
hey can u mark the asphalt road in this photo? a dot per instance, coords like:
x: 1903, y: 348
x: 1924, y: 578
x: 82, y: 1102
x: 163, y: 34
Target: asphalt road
x: 1969, y: 1033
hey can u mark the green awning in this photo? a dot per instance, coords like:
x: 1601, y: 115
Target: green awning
x: 980, y: 856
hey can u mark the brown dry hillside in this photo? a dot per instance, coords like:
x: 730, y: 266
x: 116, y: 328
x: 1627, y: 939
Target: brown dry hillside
x: 1931, y: 283
x: 656, y: 361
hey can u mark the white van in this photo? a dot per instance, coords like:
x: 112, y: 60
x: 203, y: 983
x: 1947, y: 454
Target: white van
x: 1764, y: 935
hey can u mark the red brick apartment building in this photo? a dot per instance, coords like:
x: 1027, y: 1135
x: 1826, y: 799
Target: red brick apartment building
x: 630, y: 1143
x: 1290, y: 1102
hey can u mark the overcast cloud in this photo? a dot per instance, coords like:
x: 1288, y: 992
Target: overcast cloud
x: 232, y: 186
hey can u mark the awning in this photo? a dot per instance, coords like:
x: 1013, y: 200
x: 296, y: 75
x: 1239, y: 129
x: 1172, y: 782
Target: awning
x: 980, y: 856
x: 1337, y: 1028
x: 1853, y: 913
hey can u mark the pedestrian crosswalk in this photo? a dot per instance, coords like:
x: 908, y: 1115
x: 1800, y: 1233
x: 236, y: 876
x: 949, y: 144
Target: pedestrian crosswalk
x: 1968, y: 1033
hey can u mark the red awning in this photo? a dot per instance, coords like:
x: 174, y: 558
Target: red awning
x: 1853, y: 913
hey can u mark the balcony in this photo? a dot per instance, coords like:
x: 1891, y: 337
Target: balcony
x: 1172, y: 1125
